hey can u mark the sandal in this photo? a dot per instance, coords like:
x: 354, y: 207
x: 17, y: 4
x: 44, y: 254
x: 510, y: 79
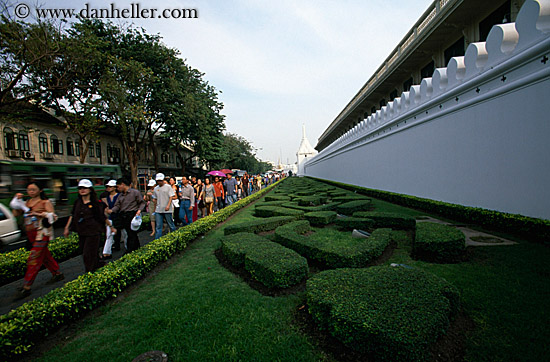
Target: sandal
x: 22, y: 293
x: 56, y: 278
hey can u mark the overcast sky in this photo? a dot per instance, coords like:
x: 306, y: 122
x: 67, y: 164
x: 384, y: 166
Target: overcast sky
x: 279, y: 64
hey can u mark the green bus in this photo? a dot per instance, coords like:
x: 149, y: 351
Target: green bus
x: 60, y: 180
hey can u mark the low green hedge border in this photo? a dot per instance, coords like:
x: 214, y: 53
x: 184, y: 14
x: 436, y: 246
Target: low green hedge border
x: 235, y: 246
x: 272, y: 211
x: 391, y: 314
x: 258, y: 225
x: 326, y: 207
x: 332, y: 248
x: 438, y: 243
x: 388, y: 219
x: 352, y: 222
x: 350, y: 207
x: 320, y: 217
x: 275, y: 266
x: 21, y: 327
x: 533, y: 229
x: 13, y: 264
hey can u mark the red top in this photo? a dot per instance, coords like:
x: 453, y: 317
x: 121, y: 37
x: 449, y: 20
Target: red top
x: 218, y: 187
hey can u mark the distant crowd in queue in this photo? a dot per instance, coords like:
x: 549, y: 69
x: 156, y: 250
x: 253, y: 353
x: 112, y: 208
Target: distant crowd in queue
x: 106, y: 221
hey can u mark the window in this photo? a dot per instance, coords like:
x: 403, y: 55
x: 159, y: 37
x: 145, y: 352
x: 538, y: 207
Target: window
x: 393, y: 95
x: 116, y: 152
x: 24, y: 141
x: 428, y: 70
x: 91, y: 149
x: 407, y: 85
x: 70, y: 147
x: 77, y: 148
x: 499, y: 16
x: 109, y: 151
x: 171, y: 155
x: 164, y: 157
x: 455, y: 50
x: 43, y: 143
x: 98, y: 150
x: 57, y: 145
x: 10, y: 141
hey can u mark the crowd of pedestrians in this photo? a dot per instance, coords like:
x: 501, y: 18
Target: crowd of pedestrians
x: 106, y: 222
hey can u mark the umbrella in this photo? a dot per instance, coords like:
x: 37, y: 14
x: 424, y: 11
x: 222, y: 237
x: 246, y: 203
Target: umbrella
x: 216, y: 173
x: 226, y: 171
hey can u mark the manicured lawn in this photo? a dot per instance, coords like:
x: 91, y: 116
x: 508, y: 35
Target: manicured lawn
x: 196, y: 310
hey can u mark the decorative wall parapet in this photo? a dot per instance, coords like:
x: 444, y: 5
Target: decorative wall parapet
x: 514, y: 55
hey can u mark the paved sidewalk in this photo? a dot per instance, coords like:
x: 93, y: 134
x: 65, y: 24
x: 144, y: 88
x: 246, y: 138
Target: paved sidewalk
x: 71, y: 268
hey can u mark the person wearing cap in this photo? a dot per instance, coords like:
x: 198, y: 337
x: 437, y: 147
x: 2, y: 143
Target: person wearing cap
x: 129, y: 204
x: 109, y: 200
x: 163, y: 195
x: 188, y: 201
x: 88, y: 220
x: 148, y: 198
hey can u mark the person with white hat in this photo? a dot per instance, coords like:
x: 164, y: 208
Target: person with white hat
x: 110, y: 237
x: 129, y: 203
x: 88, y: 220
x: 148, y: 197
x: 163, y: 195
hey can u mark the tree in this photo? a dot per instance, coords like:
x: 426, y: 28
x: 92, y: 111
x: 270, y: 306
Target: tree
x: 28, y: 55
x: 238, y: 154
x: 195, y: 121
x: 85, y: 58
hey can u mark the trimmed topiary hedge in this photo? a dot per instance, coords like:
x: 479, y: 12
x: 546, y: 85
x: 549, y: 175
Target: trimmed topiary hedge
x: 258, y: 225
x: 348, y: 208
x: 235, y: 246
x: 275, y: 266
x: 269, y: 203
x: 352, y: 222
x: 390, y: 314
x: 276, y: 198
x: 320, y: 217
x: 271, y: 211
x: 537, y: 230
x: 314, y: 200
x: 326, y: 207
x: 21, y: 327
x: 388, y: 219
x: 438, y: 242
x: 332, y: 248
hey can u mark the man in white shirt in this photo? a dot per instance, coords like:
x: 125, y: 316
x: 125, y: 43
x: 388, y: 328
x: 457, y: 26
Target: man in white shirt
x: 163, y: 196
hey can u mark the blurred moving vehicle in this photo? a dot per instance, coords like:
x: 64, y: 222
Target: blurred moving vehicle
x: 9, y: 231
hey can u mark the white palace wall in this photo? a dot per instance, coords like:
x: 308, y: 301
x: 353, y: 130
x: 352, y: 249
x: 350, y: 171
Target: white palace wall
x: 476, y: 133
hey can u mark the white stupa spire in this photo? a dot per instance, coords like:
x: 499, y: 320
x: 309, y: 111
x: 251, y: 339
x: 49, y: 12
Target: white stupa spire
x: 305, y: 150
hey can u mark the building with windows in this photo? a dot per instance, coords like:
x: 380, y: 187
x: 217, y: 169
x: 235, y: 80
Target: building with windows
x: 39, y: 136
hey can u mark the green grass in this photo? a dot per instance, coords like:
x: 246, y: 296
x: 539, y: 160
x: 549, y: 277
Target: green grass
x: 195, y: 310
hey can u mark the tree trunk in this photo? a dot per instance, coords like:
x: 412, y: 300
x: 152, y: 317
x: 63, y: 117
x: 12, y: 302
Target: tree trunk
x: 84, y: 147
x: 133, y: 162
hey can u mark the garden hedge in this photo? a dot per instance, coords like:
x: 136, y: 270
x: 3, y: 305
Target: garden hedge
x: 537, y: 230
x: 387, y: 313
x: 271, y: 211
x: 326, y: 207
x: 352, y: 222
x: 438, y: 243
x: 23, y: 326
x: 235, y: 246
x: 350, y: 207
x: 332, y: 248
x: 388, y: 219
x: 258, y: 225
x: 277, y: 198
x: 275, y: 266
x: 320, y: 217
